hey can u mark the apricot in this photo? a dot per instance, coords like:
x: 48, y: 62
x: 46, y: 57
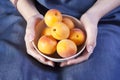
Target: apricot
x: 60, y: 31
x: 47, y: 44
x: 68, y: 22
x: 66, y: 48
x: 77, y: 35
x: 52, y: 16
x: 46, y: 31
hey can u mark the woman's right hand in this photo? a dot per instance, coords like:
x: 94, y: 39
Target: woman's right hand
x: 29, y: 37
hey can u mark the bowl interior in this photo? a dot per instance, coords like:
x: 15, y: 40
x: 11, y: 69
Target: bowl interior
x: 55, y: 57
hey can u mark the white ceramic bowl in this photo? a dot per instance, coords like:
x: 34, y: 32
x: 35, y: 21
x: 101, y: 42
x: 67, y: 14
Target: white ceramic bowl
x: 57, y: 58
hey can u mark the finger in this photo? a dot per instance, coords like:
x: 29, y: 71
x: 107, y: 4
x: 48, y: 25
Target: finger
x: 34, y: 53
x: 80, y: 59
x: 50, y: 63
x: 85, y: 56
x: 31, y: 51
x: 91, y: 38
x: 72, y: 61
x: 63, y: 64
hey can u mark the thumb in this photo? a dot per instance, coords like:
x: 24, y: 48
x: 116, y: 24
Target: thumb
x: 91, y: 31
x: 30, y: 34
x: 90, y: 25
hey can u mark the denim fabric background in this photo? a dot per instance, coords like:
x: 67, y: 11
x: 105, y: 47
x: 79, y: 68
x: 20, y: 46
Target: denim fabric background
x: 16, y: 64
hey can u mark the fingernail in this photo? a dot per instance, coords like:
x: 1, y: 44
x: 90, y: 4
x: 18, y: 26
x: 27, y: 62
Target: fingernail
x: 68, y: 63
x: 63, y: 64
x: 90, y: 49
x: 50, y: 64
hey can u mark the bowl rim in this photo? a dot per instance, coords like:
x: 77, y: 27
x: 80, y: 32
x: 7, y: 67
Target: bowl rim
x: 58, y: 59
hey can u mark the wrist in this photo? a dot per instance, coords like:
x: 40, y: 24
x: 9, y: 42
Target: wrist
x: 90, y: 17
x: 101, y: 8
x: 27, y: 9
x: 92, y: 14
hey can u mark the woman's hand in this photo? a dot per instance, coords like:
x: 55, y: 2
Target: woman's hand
x: 90, y: 20
x: 29, y: 37
x: 90, y: 24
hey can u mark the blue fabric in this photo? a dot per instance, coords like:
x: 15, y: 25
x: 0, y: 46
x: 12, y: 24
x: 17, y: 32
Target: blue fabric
x: 71, y: 7
x: 16, y: 64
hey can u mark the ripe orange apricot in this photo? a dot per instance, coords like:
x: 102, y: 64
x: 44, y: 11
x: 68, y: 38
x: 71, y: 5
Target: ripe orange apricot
x: 66, y: 48
x: 68, y: 22
x: 52, y: 16
x: 46, y: 31
x: 47, y: 44
x: 77, y: 35
x: 60, y: 31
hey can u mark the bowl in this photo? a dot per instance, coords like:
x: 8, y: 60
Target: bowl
x: 56, y: 57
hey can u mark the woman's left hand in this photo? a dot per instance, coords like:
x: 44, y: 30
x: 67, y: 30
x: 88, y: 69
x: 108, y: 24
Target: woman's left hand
x: 90, y: 25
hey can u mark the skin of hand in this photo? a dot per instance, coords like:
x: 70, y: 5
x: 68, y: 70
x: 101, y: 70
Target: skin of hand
x: 29, y: 37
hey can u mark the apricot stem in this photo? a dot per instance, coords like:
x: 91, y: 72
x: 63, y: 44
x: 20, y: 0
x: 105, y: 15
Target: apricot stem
x: 54, y: 29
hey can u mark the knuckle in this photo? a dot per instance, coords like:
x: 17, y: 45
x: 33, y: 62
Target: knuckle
x: 28, y: 52
x: 87, y: 57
